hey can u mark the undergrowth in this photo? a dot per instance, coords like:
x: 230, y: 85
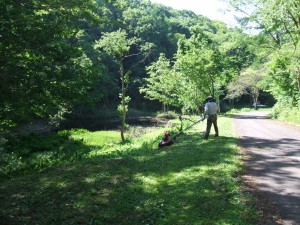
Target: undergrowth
x: 289, y: 115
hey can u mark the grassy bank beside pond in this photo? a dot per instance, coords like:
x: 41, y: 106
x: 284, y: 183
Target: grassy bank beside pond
x: 194, y: 181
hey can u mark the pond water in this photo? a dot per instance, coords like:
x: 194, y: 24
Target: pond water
x: 113, y: 124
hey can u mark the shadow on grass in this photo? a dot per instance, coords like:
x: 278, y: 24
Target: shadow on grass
x: 190, y: 182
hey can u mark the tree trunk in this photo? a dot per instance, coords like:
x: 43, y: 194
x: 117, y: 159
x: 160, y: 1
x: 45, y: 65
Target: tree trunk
x: 255, y: 94
x: 212, y: 87
x: 164, y: 107
x: 298, y: 81
x: 123, y: 113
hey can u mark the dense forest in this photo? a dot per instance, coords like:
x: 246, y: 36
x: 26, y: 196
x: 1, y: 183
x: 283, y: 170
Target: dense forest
x: 72, y: 59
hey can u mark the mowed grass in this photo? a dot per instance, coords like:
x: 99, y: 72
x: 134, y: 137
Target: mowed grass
x: 194, y: 181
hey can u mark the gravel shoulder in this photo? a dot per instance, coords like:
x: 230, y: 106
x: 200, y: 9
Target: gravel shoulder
x: 272, y: 161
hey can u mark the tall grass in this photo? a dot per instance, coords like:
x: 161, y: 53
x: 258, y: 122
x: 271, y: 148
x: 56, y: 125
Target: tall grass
x: 289, y: 115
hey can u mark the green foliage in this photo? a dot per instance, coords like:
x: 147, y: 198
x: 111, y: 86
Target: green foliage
x: 284, y: 112
x: 206, y: 61
x: 152, y: 23
x: 213, y: 57
x: 42, y: 64
x: 282, y: 79
x: 115, y: 44
x: 291, y: 116
x: 247, y: 83
x: 161, y: 84
x: 278, y: 21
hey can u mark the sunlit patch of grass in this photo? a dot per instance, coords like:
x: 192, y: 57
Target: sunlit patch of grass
x: 98, y: 138
x: 149, y: 183
x: 146, y: 142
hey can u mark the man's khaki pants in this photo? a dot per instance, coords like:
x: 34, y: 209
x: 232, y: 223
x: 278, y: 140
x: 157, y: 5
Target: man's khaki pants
x: 212, y: 119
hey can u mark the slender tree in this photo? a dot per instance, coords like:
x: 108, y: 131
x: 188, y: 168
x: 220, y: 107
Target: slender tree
x: 118, y: 45
x: 161, y: 84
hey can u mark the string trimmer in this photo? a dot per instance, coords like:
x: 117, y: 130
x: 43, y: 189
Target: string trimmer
x: 167, y: 140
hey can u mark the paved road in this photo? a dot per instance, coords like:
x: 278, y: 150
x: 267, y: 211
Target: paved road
x: 274, y: 162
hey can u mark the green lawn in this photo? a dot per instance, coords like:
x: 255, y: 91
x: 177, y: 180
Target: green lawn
x: 193, y: 181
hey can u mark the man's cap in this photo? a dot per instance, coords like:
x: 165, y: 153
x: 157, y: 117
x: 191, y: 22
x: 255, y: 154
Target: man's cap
x: 209, y: 98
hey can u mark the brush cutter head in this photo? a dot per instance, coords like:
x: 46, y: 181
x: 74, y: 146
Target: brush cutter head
x: 167, y: 134
x: 165, y: 140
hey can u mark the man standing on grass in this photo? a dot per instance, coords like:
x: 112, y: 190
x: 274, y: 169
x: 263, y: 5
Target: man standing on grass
x: 210, y: 112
